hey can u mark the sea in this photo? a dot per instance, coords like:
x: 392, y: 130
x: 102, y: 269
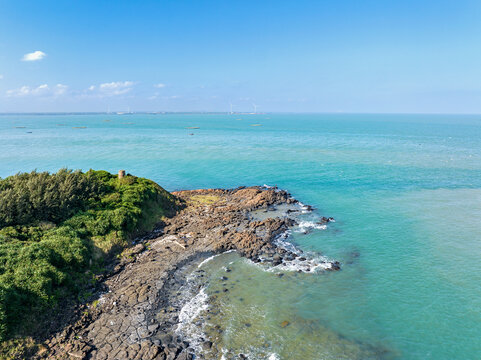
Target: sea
x: 404, y: 190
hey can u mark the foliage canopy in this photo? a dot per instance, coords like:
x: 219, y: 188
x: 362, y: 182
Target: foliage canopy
x: 56, y: 230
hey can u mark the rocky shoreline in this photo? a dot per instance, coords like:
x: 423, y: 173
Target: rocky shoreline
x: 136, y: 313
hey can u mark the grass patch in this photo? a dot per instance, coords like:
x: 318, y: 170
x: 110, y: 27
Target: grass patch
x: 204, y: 199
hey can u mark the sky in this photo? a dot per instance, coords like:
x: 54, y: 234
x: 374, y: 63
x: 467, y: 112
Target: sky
x: 281, y: 56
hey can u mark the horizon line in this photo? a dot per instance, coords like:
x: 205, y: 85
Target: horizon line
x: 224, y: 113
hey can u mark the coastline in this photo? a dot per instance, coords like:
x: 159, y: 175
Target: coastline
x: 136, y: 315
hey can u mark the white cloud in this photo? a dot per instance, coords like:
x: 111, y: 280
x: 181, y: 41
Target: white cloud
x: 41, y: 90
x: 34, y: 56
x: 114, y: 88
x: 160, y: 85
x: 60, y: 89
x: 1, y: 76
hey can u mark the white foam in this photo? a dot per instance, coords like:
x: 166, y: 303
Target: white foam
x: 268, y: 187
x: 307, y: 266
x: 304, y: 208
x: 224, y: 352
x: 312, y: 263
x: 273, y: 356
x: 188, y: 314
x: 212, y: 257
x: 193, y: 307
x: 303, y: 226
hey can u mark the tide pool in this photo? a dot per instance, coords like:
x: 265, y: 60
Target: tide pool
x: 405, y: 191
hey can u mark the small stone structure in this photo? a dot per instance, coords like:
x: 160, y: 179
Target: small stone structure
x: 121, y: 174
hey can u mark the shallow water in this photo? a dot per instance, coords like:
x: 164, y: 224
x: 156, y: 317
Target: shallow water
x: 405, y: 191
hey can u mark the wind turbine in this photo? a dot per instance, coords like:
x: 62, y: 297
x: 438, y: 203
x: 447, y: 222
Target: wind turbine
x: 255, y: 108
x: 231, y: 112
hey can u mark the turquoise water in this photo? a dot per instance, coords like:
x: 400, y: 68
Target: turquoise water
x: 405, y: 191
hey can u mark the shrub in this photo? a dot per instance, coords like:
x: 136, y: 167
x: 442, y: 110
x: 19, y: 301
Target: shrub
x: 56, y: 229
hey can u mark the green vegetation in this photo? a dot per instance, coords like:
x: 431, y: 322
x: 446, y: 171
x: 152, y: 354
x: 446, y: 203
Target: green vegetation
x: 56, y: 231
x: 204, y: 199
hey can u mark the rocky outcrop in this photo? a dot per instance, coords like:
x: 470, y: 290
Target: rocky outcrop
x: 134, y: 316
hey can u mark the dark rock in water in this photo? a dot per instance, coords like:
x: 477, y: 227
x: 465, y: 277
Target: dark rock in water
x: 242, y: 356
x: 335, y: 266
x: 291, y: 222
x: 206, y: 345
x: 302, y: 258
x: 228, y: 270
x: 248, y: 324
x: 325, y: 220
x: 224, y: 278
x: 353, y: 256
x: 284, y: 323
x: 225, y: 290
x: 184, y: 355
x: 280, y: 275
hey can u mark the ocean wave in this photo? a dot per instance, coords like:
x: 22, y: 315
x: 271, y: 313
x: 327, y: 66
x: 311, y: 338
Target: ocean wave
x: 304, y: 226
x: 188, y: 314
x: 268, y: 187
x: 304, y: 208
x: 311, y: 263
x: 193, y: 307
x: 306, y: 266
x: 212, y: 257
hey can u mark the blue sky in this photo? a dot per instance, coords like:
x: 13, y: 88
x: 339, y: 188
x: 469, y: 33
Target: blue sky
x: 284, y: 56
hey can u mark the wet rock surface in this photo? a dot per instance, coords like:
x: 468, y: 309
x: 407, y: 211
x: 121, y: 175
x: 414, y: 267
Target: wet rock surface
x: 138, y: 304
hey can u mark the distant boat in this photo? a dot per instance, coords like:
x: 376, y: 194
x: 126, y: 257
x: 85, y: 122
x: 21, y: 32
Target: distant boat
x: 79, y: 127
x: 256, y: 124
x: 192, y: 127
